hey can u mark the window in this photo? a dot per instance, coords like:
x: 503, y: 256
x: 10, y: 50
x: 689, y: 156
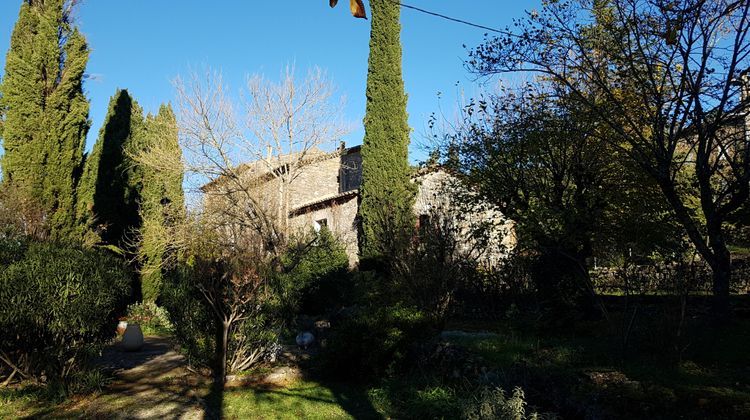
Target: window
x: 423, y: 223
x: 319, y: 224
x: 350, y: 172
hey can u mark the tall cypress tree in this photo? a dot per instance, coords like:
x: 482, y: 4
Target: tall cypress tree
x: 109, y: 192
x: 163, y: 200
x: 387, y: 194
x: 45, y: 111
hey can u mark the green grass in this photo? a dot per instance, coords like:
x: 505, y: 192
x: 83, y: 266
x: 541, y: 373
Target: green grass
x: 11, y: 404
x: 156, y: 331
x: 649, y: 293
x: 499, y: 350
x: 581, y: 368
x: 30, y: 401
x: 576, y: 368
x: 739, y: 250
x: 302, y: 400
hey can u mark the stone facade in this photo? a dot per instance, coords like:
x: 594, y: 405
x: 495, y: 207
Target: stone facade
x: 326, y: 192
x: 482, y: 232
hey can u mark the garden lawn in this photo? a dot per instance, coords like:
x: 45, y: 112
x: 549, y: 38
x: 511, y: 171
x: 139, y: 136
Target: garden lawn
x: 301, y: 400
x: 588, y: 369
x: 572, y: 367
x: 28, y: 402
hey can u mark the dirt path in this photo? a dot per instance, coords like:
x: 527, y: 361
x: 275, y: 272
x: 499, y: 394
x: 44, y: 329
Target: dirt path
x: 150, y: 384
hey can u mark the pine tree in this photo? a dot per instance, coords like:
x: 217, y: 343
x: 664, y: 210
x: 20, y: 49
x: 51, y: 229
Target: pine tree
x: 163, y: 200
x: 387, y: 193
x: 109, y: 192
x: 45, y: 112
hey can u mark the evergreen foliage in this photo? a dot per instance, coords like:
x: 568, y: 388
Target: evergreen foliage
x: 122, y: 198
x: 58, y: 305
x: 162, y: 201
x: 387, y: 193
x: 575, y: 196
x: 372, y: 340
x: 44, y: 112
x: 317, y: 278
x: 109, y: 191
x: 194, y: 322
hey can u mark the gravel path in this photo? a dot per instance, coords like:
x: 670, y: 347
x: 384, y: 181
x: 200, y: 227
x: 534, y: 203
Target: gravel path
x: 149, y: 384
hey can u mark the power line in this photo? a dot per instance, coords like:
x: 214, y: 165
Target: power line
x: 452, y: 19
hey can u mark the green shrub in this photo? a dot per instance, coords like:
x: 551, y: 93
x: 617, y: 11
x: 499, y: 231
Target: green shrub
x: 193, y: 322
x: 495, y: 404
x: 316, y: 280
x: 153, y: 319
x: 421, y: 395
x: 373, y: 341
x: 251, y: 337
x: 58, y: 305
x: 89, y: 381
x: 433, y: 403
x: 11, y: 249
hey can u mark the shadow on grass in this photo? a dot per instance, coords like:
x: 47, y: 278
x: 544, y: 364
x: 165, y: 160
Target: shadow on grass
x: 162, y: 400
x: 305, y: 398
x: 214, y: 401
x: 348, y: 393
x: 28, y: 402
x: 355, y: 401
x: 665, y: 367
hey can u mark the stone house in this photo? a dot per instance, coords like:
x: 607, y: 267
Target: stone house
x: 480, y: 230
x: 325, y: 192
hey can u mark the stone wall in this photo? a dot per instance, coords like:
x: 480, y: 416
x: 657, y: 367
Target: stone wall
x: 482, y: 232
x: 340, y: 216
x: 668, y: 278
x: 327, y: 190
x: 316, y: 181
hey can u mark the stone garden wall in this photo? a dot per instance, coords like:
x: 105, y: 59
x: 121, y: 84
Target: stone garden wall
x: 668, y: 278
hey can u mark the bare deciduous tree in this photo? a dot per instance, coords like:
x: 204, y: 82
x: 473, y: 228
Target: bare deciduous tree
x: 243, y: 170
x: 289, y: 122
x: 285, y: 126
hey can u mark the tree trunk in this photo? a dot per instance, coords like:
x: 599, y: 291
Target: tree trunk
x: 224, y: 349
x: 283, y: 209
x: 721, y: 279
x: 721, y: 267
x: 715, y: 252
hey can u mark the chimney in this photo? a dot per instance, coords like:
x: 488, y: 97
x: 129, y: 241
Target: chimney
x: 342, y: 146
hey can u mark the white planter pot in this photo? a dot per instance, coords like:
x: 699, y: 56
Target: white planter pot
x: 132, y: 340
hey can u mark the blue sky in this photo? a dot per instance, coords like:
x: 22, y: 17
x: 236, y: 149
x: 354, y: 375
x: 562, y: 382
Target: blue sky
x: 142, y: 45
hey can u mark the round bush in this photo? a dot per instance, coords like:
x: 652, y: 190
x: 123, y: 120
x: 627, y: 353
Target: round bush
x: 58, y: 304
x: 317, y: 278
